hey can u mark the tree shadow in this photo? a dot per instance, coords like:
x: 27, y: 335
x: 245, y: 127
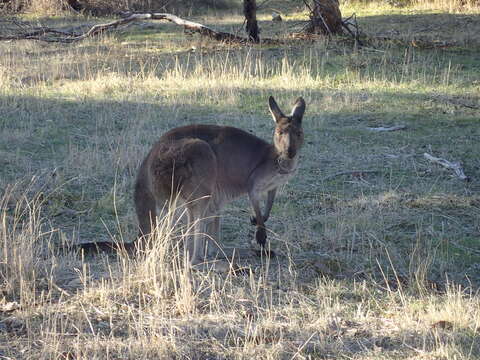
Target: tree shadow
x: 94, y: 148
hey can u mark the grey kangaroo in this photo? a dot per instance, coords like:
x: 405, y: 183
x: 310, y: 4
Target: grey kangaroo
x: 207, y: 166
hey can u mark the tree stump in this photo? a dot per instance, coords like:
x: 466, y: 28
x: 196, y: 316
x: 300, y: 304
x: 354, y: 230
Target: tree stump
x: 325, y: 17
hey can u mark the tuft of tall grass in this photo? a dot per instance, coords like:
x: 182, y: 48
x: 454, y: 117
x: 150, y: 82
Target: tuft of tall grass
x: 26, y: 244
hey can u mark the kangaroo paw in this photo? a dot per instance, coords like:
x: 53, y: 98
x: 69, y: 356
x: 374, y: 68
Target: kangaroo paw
x: 261, y: 235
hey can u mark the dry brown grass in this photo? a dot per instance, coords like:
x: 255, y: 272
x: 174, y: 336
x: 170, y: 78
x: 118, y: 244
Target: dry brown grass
x: 152, y: 307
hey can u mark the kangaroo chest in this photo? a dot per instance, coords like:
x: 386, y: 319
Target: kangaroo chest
x: 281, y: 174
x: 275, y: 181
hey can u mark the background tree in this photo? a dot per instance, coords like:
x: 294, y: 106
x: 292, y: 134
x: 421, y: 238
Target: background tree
x: 251, y: 26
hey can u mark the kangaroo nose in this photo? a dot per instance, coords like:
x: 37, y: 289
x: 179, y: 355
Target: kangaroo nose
x: 291, y: 153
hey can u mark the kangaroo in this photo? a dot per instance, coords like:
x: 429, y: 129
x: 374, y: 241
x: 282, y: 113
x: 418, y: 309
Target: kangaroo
x: 207, y: 166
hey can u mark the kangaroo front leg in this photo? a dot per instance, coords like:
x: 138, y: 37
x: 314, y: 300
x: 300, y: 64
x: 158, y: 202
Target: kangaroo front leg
x: 261, y: 233
x: 268, y: 207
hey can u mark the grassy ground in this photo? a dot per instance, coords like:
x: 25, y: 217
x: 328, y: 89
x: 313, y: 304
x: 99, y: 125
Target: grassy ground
x: 378, y: 249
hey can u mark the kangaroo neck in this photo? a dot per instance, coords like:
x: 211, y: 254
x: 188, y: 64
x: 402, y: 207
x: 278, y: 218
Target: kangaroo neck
x: 286, y: 165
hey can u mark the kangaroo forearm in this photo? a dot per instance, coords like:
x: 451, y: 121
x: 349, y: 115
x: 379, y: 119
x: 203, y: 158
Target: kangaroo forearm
x: 269, y: 204
x: 255, y: 202
x: 259, y: 218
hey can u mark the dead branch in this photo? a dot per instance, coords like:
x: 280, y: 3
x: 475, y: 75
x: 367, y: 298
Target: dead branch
x: 68, y: 36
x: 351, y: 21
x: 455, y: 166
x: 201, y: 29
x: 385, y: 129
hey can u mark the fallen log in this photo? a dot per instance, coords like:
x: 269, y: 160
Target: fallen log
x: 68, y: 36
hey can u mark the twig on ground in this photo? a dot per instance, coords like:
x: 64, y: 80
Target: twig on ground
x: 352, y: 21
x: 385, y: 129
x: 372, y: 49
x: 455, y: 166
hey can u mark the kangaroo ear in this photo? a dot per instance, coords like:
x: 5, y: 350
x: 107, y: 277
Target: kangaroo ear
x: 274, y: 109
x: 298, y: 109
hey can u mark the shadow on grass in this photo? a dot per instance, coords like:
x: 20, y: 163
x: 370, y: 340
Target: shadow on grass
x: 96, y: 147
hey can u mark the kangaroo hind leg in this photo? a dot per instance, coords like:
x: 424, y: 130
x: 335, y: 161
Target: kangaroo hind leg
x: 198, y: 183
x: 145, y: 206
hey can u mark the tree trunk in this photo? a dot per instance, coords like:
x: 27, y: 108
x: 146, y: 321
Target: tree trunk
x: 325, y: 18
x: 250, y: 12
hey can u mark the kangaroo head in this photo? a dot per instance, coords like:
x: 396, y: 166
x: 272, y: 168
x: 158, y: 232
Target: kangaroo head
x: 288, y: 136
